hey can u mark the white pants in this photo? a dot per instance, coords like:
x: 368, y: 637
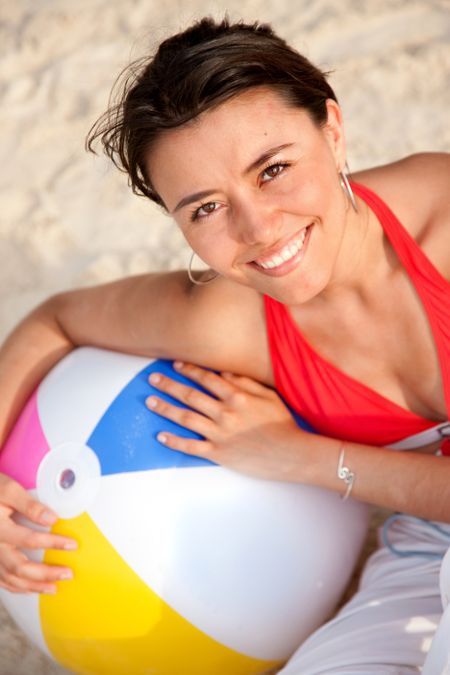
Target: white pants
x: 388, y: 626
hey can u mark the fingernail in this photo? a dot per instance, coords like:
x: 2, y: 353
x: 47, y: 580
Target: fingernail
x: 155, y: 378
x: 48, y: 518
x: 70, y: 546
x: 178, y: 364
x: 67, y: 574
x: 162, y: 438
x: 151, y: 402
x: 51, y: 590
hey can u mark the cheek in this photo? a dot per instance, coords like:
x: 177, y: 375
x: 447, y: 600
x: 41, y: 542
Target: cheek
x: 311, y: 189
x: 211, y: 244
x: 309, y: 197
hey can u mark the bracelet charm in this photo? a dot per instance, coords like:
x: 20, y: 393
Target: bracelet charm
x: 345, y: 474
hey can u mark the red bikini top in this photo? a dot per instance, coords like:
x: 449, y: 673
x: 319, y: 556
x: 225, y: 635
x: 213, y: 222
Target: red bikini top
x: 336, y: 404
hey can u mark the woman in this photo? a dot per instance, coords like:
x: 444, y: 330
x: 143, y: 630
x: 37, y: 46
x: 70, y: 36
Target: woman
x: 318, y: 290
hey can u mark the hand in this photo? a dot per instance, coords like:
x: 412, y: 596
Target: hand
x: 18, y: 573
x: 245, y: 424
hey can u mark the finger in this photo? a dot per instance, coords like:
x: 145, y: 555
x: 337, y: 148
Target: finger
x: 190, y: 396
x: 247, y: 384
x: 16, y: 564
x: 11, y: 589
x: 185, y: 417
x: 24, y: 575
x: 15, y: 496
x: 18, y: 585
x: 208, y: 379
x: 24, y: 537
x: 21, y: 536
x: 189, y: 446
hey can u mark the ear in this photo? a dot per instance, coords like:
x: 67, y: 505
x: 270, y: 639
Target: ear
x: 334, y: 133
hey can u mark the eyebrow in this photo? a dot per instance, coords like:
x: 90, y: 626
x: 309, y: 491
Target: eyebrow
x: 193, y: 198
x: 266, y: 155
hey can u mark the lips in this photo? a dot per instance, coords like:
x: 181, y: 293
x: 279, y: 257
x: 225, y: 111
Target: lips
x: 285, y: 257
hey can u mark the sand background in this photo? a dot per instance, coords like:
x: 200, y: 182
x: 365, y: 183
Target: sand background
x: 68, y: 219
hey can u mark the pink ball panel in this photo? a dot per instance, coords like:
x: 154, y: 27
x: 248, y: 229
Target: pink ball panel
x: 25, y: 447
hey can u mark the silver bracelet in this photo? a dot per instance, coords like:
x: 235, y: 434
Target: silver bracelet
x: 344, y: 473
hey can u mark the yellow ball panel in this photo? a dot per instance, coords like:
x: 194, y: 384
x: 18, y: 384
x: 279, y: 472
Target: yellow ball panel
x: 108, y: 622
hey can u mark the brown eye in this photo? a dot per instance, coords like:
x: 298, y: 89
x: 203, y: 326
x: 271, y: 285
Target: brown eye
x: 204, y: 210
x: 209, y: 207
x: 272, y: 172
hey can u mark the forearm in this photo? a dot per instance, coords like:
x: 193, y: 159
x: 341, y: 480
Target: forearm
x: 411, y: 482
x: 27, y: 355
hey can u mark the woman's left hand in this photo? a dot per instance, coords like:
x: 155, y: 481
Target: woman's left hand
x: 245, y: 424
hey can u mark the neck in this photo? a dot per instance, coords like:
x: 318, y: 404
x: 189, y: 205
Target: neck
x: 363, y: 263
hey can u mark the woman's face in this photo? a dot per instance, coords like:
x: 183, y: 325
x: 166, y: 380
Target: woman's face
x: 254, y: 186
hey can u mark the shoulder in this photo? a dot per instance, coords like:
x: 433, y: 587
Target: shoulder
x: 417, y: 189
x: 231, y: 318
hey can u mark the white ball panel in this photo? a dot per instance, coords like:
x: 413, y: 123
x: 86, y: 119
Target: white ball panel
x: 254, y: 564
x: 24, y: 609
x: 86, y: 381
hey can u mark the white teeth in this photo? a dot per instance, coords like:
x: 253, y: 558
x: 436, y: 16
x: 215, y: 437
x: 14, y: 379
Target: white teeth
x: 285, y: 254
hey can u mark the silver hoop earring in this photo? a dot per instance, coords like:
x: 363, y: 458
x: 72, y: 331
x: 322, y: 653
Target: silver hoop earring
x: 347, y: 188
x: 192, y: 278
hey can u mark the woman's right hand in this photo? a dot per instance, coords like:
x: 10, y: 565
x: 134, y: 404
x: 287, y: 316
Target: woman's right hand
x: 18, y: 573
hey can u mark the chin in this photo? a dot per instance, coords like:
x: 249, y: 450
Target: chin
x: 299, y: 291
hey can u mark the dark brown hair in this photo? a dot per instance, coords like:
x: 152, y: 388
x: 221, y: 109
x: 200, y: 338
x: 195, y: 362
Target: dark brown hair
x: 195, y: 71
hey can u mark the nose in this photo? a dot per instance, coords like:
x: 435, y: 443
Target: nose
x: 255, y: 222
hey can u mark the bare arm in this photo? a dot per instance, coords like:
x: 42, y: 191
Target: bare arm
x: 156, y: 315
x: 247, y: 428
x: 405, y: 481
x: 159, y: 315
x: 27, y: 355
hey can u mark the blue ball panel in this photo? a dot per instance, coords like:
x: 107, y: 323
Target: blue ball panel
x: 125, y: 437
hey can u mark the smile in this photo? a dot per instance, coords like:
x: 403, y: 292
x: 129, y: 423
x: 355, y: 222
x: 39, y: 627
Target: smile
x: 284, y: 255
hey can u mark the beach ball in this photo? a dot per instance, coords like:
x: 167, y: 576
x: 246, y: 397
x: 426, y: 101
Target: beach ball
x: 183, y: 567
